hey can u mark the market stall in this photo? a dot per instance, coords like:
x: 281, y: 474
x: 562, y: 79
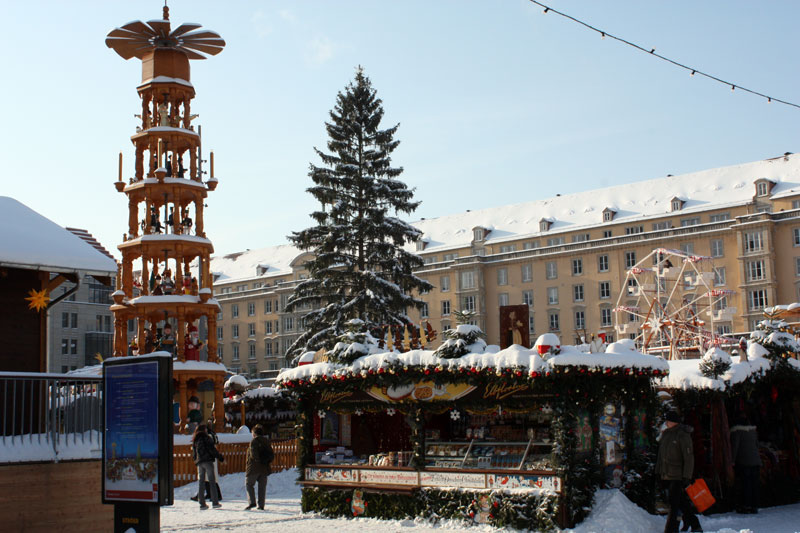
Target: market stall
x: 506, y: 437
x: 762, y: 385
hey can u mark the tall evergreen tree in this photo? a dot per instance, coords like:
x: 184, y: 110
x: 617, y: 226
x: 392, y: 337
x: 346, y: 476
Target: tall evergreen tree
x: 360, y: 269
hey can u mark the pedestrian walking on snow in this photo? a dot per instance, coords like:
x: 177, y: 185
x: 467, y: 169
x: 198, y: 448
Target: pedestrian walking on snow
x: 204, y: 452
x: 259, y: 458
x: 675, y: 466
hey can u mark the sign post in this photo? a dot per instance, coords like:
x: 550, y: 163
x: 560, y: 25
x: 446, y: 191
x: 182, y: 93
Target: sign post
x: 137, y: 440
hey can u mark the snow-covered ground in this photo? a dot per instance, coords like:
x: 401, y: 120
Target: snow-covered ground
x: 613, y: 513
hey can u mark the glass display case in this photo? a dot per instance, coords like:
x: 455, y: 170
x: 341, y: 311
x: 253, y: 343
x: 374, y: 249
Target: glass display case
x: 485, y: 455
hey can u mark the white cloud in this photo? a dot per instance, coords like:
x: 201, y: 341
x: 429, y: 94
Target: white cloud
x: 320, y: 50
x: 285, y: 14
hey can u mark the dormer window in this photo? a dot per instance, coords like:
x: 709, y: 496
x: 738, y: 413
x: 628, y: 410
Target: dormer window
x: 421, y: 244
x: 545, y: 223
x: 608, y: 214
x: 763, y: 187
x: 479, y: 233
x: 261, y: 270
x: 676, y: 204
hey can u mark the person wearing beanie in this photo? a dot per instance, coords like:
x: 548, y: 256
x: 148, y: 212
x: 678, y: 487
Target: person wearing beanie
x: 675, y: 466
x: 259, y: 459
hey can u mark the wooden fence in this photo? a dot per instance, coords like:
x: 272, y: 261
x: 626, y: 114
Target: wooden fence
x: 185, y: 471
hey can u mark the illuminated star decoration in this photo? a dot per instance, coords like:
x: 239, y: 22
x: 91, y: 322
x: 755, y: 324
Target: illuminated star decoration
x: 37, y: 299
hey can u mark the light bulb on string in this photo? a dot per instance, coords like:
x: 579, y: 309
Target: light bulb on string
x: 733, y: 88
x: 546, y: 10
x: 692, y: 74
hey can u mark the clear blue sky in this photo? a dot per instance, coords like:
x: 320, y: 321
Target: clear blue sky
x: 497, y: 102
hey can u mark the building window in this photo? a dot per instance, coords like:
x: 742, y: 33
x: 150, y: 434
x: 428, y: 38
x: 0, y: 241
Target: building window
x: 719, y: 276
x: 267, y: 306
x: 630, y: 259
x: 717, y: 248
x: 469, y: 303
x: 288, y: 323
x: 632, y: 230
x: 527, y: 298
x: 251, y: 351
x: 605, y: 289
x: 477, y: 234
x: 687, y: 248
x: 531, y: 326
x: 555, y: 241
x: 577, y: 293
x: 73, y: 320
x: 608, y: 216
x: 73, y: 346
x: 580, y: 237
x: 527, y: 273
x: 444, y: 283
x: 64, y: 320
x: 251, y: 309
x: 552, y: 295
x: 251, y: 329
x: 468, y: 280
x: 64, y: 346
x: 755, y: 270
x: 553, y: 321
x: 580, y: 320
x: 502, y: 276
x: 430, y: 259
x: 423, y: 312
x: 99, y: 293
x: 235, y: 331
x: 796, y: 236
x: 267, y: 349
x: 530, y: 245
x: 720, y: 303
x: 450, y: 257
x: 220, y: 332
x: 602, y: 263
x: 235, y: 310
x: 762, y: 188
x: 235, y: 352
x: 268, y: 327
x: 607, y: 233
x: 551, y: 270
x: 508, y: 248
x: 220, y: 351
x: 664, y: 224
x: 757, y: 299
x: 693, y: 221
x: 797, y: 266
x: 577, y: 267
x: 219, y: 315
x: 753, y: 242
x: 276, y: 325
x: 719, y: 217
x: 445, y: 307
x: 605, y: 317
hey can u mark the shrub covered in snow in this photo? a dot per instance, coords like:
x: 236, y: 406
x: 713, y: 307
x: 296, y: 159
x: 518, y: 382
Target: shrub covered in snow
x: 353, y: 343
x: 466, y: 338
x: 715, y: 362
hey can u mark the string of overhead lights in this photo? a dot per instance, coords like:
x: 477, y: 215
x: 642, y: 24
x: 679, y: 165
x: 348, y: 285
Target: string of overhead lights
x: 652, y: 52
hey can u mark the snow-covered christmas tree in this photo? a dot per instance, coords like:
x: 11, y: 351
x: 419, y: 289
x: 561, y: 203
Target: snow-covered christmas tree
x: 466, y: 338
x: 773, y: 339
x: 360, y: 269
x: 715, y: 362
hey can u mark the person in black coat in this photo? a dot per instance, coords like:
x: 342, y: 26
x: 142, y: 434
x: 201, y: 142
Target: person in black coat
x: 213, y: 435
x: 204, y: 452
x: 675, y: 466
x: 747, y: 464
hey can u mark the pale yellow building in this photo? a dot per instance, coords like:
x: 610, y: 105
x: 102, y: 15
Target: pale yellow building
x: 566, y: 258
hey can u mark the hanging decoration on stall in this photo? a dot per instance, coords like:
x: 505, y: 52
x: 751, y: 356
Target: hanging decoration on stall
x: 425, y: 391
x: 454, y: 414
x: 390, y: 411
x: 585, y: 435
x: 358, y: 505
x: 480, y: 510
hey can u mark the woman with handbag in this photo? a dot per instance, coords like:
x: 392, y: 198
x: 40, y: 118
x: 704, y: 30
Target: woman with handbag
x: 204, y: 451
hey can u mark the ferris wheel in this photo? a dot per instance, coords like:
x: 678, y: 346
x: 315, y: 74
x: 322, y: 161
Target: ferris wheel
x: 669, y: 304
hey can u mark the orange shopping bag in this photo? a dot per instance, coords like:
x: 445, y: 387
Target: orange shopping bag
x: 700, y: 495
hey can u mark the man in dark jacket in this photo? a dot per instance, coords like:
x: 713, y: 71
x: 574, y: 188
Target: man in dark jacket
x: 259, y: 457
x: 747, y: 461
x: 675, y: 466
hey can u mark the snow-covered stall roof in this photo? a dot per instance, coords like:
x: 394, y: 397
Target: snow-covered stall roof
x: 516, y: 359
x: 34, y: 242
x: 708, y: 189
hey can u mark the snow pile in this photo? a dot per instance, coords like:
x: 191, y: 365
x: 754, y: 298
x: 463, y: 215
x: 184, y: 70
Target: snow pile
x: 613, y: 511
x: 236, y: 381
x: 262, y: 392
x: 686, y: 374
x: 617, y: 355
x: 37, y: 447
x: 225, y: 438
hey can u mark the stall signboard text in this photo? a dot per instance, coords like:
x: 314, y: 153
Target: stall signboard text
x: 521, y: 481
x: 424, y: 391
x: 461, y: 480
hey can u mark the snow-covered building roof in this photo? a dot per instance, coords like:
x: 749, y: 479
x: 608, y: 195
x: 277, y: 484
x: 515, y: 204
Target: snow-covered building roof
x: 33, y: 242
x: 699, y: 191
